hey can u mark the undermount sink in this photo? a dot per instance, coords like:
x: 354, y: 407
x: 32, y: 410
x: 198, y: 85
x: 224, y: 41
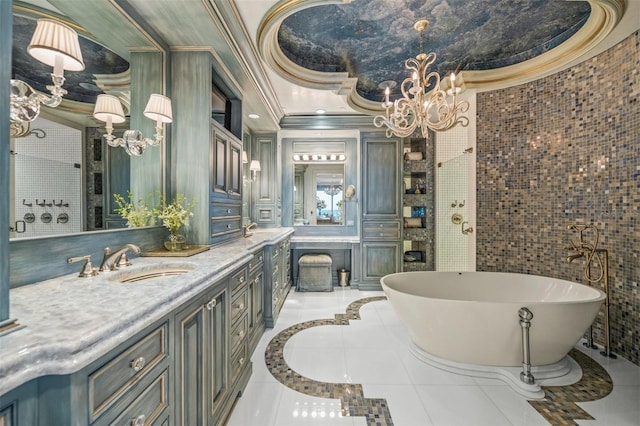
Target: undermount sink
x: 149, y: 273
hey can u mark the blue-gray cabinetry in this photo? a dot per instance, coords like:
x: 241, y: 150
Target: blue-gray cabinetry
x: 225, y: 165
x: 381, y: 208
x: 266, y: 199
x: 200, y: 351
x: 255, y: 289
x: 19, y: 407
x: 277, y: 286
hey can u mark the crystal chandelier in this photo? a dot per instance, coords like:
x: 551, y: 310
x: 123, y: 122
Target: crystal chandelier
x: 423, y: 104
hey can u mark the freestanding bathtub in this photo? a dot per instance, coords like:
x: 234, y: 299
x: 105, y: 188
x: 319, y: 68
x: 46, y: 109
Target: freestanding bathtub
x: 472, y: 317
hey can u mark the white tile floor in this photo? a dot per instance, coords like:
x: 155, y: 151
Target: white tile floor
x: 374, y: 352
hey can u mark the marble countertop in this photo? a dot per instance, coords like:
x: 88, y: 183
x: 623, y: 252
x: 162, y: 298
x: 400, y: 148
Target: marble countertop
x: 68, y: 322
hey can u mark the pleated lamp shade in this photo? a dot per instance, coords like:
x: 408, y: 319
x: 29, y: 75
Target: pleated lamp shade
x: 254, y: 166
x: 159, y: 109
x: 108, y: 106
x: 53, y: 39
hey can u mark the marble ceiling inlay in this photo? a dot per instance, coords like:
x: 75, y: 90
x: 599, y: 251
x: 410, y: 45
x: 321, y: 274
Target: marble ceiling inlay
x: 371, y: 39
x: 80, y: 85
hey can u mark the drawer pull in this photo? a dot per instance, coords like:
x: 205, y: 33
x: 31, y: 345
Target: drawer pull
x: 211, y: 304
x: 228, y: 211
x: 241, y: 306
x: 138, y: 421
x: 228, y: 226
x: 241, y: 361
x: 241, y: 334
x: 241, y: 279
x: 261, y: 258
x: 381, y: 225
x: 138, y: 364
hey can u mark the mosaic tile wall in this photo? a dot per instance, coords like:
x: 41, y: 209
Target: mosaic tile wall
x: 561, y: 150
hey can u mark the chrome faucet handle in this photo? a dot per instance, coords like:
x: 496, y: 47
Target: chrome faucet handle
x: 87, y: 270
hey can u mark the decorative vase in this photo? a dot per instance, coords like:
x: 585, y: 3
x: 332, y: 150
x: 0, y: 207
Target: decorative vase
x: 175, y: 241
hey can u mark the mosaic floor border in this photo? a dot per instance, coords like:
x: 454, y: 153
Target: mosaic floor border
x: 558, y: 406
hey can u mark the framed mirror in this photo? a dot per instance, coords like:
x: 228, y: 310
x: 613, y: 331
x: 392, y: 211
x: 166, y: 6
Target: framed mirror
x: 63, y: 173
x: 316, y: 174
x: 319, y: 195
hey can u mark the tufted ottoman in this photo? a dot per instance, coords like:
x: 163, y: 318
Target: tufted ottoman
x: 314, y: 273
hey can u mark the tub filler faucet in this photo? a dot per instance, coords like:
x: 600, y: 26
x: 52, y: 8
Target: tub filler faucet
x: 117, y: 259
x: 599, y: 259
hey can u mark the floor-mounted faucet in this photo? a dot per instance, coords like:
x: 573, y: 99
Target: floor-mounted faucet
x: 600, y: 259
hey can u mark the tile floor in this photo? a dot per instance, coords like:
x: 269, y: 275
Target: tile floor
x: 373, y: 351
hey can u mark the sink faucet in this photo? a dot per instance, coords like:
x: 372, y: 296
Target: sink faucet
x: 246, y: 228
x: 114, y: 260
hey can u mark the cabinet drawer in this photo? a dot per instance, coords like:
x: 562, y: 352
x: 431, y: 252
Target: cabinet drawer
x: 256, y: 262
x: 220, y: 226
x: 225, y: 210
x: 239, y: 306
x: 147, y: 407
x: 381, y: 230
x: 238, y: 280
x: 238, y: 360
x: 113, y: 379
x: 238, y: 333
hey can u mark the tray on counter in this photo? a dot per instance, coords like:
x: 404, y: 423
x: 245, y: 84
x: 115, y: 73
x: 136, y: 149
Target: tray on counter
x: 186, y: 252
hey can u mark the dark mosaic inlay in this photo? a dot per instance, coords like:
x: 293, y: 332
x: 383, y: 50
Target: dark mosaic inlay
x: 558, y: 406
x: 353, y: 402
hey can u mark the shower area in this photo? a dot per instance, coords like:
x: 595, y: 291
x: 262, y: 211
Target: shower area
x: 455, y: 196
x: 46, y: 181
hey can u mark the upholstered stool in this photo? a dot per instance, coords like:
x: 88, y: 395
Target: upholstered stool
x: 314, y: 273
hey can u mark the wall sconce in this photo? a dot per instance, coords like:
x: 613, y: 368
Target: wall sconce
x: 109, y: 109
x: 54, y: 44
x: 255, y: 168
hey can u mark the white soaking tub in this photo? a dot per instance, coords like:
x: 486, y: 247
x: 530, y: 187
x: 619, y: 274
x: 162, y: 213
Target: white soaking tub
x: 471, y: 318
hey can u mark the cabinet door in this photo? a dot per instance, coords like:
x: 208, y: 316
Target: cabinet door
x: 380, y: 259
x: 234, y: 179
x: 256, y: 289
x: 381, y: 178
x: 190, y: 371
x: 216, y: 353
x: 218, y: 163
x: 19, y: 406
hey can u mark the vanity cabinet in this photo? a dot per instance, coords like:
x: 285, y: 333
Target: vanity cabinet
x: 381, y: 209
x: 19, y: 407
x: 225, y: 168
x: 279, y: 282
x: 202, y: 379
x: 255, y: 289
x: 183, y: 365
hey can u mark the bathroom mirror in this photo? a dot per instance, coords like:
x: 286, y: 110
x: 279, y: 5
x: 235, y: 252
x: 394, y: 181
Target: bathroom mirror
x: 63, y: 173
x: 318, y: 195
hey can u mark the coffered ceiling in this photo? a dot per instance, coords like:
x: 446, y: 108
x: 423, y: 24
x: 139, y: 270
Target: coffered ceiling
x: 288, y: 58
